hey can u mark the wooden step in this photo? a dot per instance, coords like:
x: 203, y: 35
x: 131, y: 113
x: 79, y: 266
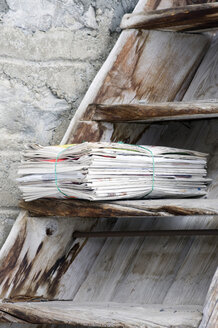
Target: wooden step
x: 102, y: 314
x: 189, y: 18
x: 125, y: 208
x: 154, y: 112
x: 145, y: 233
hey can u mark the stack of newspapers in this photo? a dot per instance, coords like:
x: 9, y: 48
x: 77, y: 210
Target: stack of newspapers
x: 110, y: 171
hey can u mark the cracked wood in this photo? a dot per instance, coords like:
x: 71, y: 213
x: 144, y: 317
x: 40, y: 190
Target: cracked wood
x: 152, y: 112
x: 127, y: 208
x: 189, y: 18
x: 110, y: 314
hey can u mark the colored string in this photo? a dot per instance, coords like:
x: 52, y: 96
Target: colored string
x: 56, y: 178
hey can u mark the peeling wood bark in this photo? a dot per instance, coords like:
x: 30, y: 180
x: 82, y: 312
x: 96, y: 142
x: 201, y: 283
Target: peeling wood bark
x: 132, y: 208
x: 152, y: 112
x: 189, y: 18
x: 106, y: 314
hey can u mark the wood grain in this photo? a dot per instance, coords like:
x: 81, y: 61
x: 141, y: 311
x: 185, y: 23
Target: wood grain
x: 146, y: 62
x: 210, y: 314
x: 126, y: 208
x: 40, y: 259
x: 163, y: 4
x: 105, y: 315
x: 189, y: 18
x: 152, y: 112
x: 39, y: 256
x: 142, y: 270
x: 165, y: 271
x: 139, y: 67
x: 205, y: 82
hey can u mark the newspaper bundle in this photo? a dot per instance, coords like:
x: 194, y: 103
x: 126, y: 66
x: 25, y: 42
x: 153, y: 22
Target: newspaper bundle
x: 110, y: 171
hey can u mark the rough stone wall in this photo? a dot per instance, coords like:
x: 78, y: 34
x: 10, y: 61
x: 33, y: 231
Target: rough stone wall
x: 50, y: 51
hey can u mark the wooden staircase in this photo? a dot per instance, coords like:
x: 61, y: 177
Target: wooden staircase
x: 49, y: 268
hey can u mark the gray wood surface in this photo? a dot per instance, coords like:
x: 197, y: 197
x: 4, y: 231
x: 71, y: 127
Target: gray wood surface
x: 139, y: 67
x: 40, y: 259
x: 171, y: 270
x: 210, y: 317
x: 24, y: 255
x: 105, y: 314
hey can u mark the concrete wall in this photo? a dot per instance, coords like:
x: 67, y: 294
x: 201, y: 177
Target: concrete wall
x: 50, y: 51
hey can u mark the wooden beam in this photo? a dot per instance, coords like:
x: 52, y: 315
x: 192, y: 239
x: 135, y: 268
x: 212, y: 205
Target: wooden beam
x: 188, y: 18
x: 144, y: 233
x: 165, y: 111
x: 133, y: 208
x: 109, y: 314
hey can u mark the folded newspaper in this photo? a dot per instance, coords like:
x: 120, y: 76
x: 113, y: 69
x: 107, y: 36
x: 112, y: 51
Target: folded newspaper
x: 109, y: 171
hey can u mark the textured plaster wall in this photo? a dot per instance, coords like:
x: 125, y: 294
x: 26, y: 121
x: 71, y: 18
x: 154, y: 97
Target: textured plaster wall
x: 50, y: 50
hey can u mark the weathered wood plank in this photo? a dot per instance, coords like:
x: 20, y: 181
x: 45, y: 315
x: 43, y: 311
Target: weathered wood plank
x: 138, y: 112
x: 37, y: 262
x: 145, y: 64
x: 202, y: 259
x: 189, y: 18
x: 139, y: 67
x: 142, y: 270
x: 23, y: 273
x: 204, y: 86
x: 147, y: 275
x: 113, y: 260
x: 7, y: 318
x: 166, y: 4
x: 40, y: 256
x: 203, y: 135
x: 88, y: 130
x: 145, y: 233
x: 126, y: 208
x: 213, y: 318
x: 105, y: 314
x: 210, y: 313
x: 205, y: 82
